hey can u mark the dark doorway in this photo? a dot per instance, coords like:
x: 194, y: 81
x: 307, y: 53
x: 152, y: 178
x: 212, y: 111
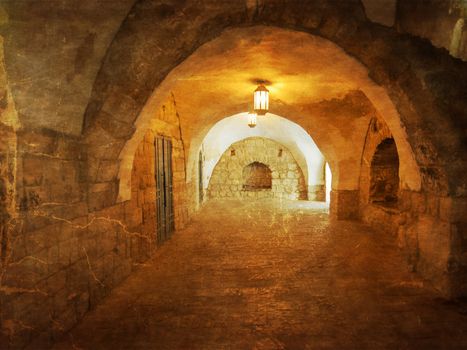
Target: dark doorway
x: 164, y: 189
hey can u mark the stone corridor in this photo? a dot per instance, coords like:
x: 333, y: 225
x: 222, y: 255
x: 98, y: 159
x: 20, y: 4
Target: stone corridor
x: 273, y: 275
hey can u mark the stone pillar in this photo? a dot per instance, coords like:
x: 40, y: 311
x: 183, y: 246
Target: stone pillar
x: 6, y: 187
x: 316, y: 193
x: 457, y: 266
x: 344, y: 204
x: 9, y: 123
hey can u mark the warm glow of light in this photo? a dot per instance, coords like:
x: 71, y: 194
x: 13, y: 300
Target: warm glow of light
x: 292, y: 136
x: 261, y: 100
x: 328, y: 181
x: 252, y: 120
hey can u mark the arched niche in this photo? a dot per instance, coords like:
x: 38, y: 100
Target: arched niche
x: 384, y: 174
x: 257, y: 176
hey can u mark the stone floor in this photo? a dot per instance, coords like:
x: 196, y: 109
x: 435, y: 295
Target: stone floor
x: 273, y: 275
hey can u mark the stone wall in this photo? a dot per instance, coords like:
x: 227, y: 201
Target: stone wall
x: 58, y: 64
x: 7, y: 185
x: 317, y: 192
x: 440, y: 21
x: 65, y: 250
x: 143, y: 181
x: 425, y: 223
x: 344, y: 205
x: 227, y: 180
x: 257, y: 176
x: 50, y: 266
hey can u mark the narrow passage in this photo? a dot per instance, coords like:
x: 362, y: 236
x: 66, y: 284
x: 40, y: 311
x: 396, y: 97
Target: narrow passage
x: 273, y: 275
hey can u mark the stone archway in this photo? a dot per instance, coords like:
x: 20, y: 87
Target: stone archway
x: 404, y: 92
x: 337, y: 149
x: 233, y: 129
x: 332, y: 21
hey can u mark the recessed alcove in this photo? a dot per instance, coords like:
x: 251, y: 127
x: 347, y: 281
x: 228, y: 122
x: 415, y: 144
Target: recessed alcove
x: 257, y: 176
x: 384, y: 174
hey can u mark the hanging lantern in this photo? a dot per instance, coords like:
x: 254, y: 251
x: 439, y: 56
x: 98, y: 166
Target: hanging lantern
x: 261, y: 100
x: 251, y: 120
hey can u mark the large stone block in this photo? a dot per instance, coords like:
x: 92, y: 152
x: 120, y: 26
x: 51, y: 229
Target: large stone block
x: 344, y: 204
x: 64, y: 212
x: 381, y: 217
x: 102, y: 145
x: 100, y: 200
x: 37, y: 142
x: 108, y: 170
x: 70, y: 148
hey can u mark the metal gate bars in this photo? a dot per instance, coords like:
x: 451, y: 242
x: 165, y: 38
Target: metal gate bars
x: 165, y: 223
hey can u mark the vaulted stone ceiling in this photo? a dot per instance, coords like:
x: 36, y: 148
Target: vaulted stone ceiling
x: 301, y: 70
x: 312, y: 82
x: 53, y: 51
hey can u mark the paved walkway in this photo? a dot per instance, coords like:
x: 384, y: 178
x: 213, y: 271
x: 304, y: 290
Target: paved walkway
x: 266, y: 275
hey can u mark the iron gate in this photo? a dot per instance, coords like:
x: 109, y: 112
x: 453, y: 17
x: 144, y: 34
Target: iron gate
x: 164, y: 189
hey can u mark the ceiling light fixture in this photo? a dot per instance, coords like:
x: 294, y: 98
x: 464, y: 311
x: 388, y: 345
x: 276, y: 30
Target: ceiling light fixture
x: 261, y: 100
x: 252, y: 119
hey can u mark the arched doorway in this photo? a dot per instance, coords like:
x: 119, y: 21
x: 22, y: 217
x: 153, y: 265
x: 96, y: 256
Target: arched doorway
x: 292, y: 136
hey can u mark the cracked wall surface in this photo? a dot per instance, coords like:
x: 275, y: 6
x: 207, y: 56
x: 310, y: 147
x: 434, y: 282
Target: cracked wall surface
x: 67, y: 250
x: 77, y: 89
x: 8, y: 168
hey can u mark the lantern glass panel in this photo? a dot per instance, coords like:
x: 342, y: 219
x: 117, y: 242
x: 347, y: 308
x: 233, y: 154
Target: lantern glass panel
x: 261, y: 100
x: 252, y: 120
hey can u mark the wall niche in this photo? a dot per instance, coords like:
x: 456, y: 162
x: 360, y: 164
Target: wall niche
x: 384, y: 174
x: 257, y: 176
